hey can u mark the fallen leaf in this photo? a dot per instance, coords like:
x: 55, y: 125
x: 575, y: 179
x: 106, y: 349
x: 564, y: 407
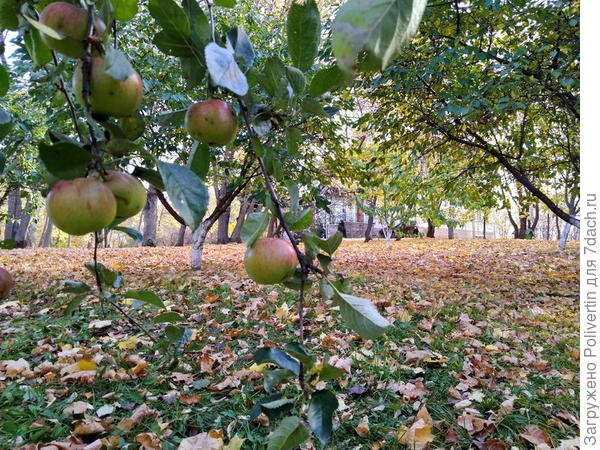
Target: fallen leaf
x: 138, y: 415
x: 536, y: 436
x: 362, y: 429
x: 202, y: 441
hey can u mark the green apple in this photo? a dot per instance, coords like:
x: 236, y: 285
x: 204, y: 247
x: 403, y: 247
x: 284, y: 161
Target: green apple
x: 128, y: 191
x: 81, y: 206
x: 270, y: 260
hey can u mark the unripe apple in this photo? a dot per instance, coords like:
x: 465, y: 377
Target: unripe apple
x: 128, y: 191
x: 270, y: 260
x: 132, y: 126
x: 81, y: 206
x: 72, y: 22
x: 108, y: 96
x: 212, y: 122
x: 6, y: 283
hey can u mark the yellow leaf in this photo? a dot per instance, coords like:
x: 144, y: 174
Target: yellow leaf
x: 260, y: 368
x: 129, y: 343
x: 235, y: 443
x: 86, y: 364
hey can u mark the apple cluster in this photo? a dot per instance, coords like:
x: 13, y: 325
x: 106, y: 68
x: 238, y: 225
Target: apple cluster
x: 108, y: 96
x: 86, y: 205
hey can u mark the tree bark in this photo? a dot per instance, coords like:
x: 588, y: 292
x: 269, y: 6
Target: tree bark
x: 370, y: 221
x: 23, y: 226
x: 46, y: 238
x: 451, y: 232
x: 484, y: 226
x: 198, y: 246
x: 246, y: 207
x: 150, y: 217
x: 547, y: 226
x: 221, y: 191
x: 181, y: 236
x: 564, y: 236
x: 14, y: 214
x: 430, y: 229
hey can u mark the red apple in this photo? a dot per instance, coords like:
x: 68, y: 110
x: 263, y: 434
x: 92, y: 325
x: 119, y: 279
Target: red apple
x: 70, y: 21
x: 81, y: 206
x: 128, y: 191
x: 270, y: 260
x: 6, y: 283
x: 212, y: 122
x: 108, y: 96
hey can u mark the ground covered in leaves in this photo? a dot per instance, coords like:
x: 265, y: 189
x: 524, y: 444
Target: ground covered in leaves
x: 483, y: 351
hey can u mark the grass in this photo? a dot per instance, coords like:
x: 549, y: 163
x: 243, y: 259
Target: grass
x: 419, y: 280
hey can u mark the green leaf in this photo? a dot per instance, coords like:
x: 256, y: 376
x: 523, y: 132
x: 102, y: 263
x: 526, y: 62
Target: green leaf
x: 300, y: 221
x: 117, y: 65
x: 187, y: 192
x: 225, y: 3
x: 223, y: 69
x: 45, y: 29
x: 325, y: 261
x: 3, y: 81
x: 326, y: 80
x: 174, y: 333
x: 5, y: 123
x: 131, y: 232
x: 75, y: 287
x: 312, y: 106
x: 149, y: 175
x: 361, y: 315
x: 170, y: 17
x: 329, y: 372
x: 168, y: 317
x: 199, y: 161
x: 125, y: 9
x: 288, y: 435
x: 64, y: 160
x: 171, y: 118
x: 276, y: 408
x: 276, y: 356
x: 173, y: 44
x: 275, y: 377
x: 296, y: 79
x: 330, y: 245
x: 378, y: 27
x: 299, y: 352
x: 145, y: 296
x: 293, y: 136
x: 303, y: 33
x: 239, y: 44
x: 9, y: 19
x: 254, y: 226
x: 256, y: 409
x: 108, y: 277
x: 320, y: 414
x: 274, y: 78
x: 2, y: 162
x: 73, y: 304
x: 38, y: 51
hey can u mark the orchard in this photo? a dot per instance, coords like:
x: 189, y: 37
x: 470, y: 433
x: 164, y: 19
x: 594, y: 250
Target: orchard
x: 318, y: 122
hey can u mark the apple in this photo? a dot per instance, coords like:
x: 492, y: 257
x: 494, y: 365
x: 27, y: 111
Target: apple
x: 128, y: 191
x: 6, y: 283
x: 132, y: 126
x: 70, y: 21
x: 212, y: 122
x: 109, y: 96
x: 81, y: 206
x: 270, y: 260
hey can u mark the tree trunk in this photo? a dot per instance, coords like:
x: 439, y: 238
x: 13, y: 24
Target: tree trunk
x: 388, y: 232
x: 430, y: 229
x: 246, y: 207
x: 150, y: 217
x: 46, y: 238
x: 547, y: 226
x: 14, y: 214
x: 198, y: 244
x: 223, y: 227
x: 522, y: 231
x: 564, y: 236
x: 21, y: 230
x: 484, y: 226
x: 557, y: 228
x: 536, y: 217
x: 181, y: 236
x: 370, y: 221
x: 450, y: 232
